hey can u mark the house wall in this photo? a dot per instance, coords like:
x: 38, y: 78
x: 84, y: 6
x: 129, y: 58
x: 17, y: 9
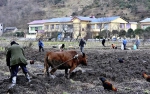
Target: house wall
x: 80, y: 26
x: 145, y: 25
x: 118, y: 24
x: 31, y: 30
x: 134, y: 26
x: 1, y: 29
x: 30, y: 36
x: 76, y: 27
x: 119, y: 20
x: 51, y: 27
x: 83, y: 28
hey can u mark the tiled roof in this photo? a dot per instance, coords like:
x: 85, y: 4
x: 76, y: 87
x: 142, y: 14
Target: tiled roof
x: 146, y: 20
x: 67, y: 19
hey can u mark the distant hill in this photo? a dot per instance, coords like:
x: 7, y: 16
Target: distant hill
x: 17, y: 13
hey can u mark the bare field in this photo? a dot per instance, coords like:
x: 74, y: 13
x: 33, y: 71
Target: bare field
x: 126, y: 77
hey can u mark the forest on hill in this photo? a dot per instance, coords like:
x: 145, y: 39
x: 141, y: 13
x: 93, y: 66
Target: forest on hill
x: 18, y: 13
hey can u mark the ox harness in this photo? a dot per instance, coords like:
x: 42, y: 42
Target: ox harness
x: 75, y: 57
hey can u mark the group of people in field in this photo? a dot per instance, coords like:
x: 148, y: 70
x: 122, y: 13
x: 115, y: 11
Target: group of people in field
x: 15, y: 56
x: 124, y: 43
x: 62, y: 46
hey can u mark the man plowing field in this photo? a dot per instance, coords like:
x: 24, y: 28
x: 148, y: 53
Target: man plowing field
x: 15, y: 58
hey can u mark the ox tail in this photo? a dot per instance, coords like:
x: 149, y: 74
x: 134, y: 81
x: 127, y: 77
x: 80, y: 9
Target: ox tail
x: 46, y: 65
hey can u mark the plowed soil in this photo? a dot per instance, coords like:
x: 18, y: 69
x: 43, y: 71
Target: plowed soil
x: 126, y: 76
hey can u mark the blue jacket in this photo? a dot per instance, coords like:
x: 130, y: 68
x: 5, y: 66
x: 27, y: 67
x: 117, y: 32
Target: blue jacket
x: 124, y: 41
x: 137, y: 42
x: 40, y: 43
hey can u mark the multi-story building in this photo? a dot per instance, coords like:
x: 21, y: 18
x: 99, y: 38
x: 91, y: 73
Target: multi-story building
x: 80, y: 25
x: 145, y: 23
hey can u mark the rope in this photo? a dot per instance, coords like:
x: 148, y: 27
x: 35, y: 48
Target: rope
x: 75, y: 57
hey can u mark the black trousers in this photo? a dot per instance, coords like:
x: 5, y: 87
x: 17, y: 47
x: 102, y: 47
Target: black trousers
x: 124, y: 46
x: 40, y: 47
x: 14, y: 69
x: 103, y: 43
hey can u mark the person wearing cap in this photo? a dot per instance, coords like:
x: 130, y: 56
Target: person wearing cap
x: 15, y: 57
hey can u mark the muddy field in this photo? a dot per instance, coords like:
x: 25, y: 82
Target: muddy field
x: 126, y: 77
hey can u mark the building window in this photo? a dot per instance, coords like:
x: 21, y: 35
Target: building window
x: 57, y: 26
x: 46, y: 27
x: 65, y: 27
x: 52, y: 26
x: 106, y: 25
x: 36, y: 28
x: 40, y: 28
x: 32, y: 28
x: 82, y: 29
x: 93, y: 26
x: 145, y: 26
x: 128, y: 25
x: 98, y: 26
x: 122, y: 25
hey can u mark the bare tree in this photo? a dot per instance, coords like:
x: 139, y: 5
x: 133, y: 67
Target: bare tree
x: 88, y: 32
x: 115, y: 33
x: 79, y: 34
x: 66, y: 30
x: 103, y: 24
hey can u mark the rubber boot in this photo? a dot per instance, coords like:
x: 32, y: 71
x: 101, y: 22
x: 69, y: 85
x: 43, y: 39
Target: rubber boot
x: 13, y: 82
x: 28, y: 77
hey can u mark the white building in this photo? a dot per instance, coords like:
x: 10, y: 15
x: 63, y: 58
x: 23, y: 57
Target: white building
x: 1, y: 29
x: 33, y: 26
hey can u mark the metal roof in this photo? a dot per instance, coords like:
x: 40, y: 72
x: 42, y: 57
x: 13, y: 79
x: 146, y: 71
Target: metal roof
x: 107, y: 19
x: 62, y: 19
x: 146, y: 20
x: 38, y: 22
x: 67, y: 19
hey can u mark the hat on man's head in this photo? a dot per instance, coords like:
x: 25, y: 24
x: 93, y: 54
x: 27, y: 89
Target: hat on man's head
x: 13, y: 42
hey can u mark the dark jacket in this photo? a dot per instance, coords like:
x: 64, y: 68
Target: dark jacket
x: 15, y: 55
x: 82, y: 43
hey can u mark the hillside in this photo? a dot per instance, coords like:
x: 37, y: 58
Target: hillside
x: 19, y: 12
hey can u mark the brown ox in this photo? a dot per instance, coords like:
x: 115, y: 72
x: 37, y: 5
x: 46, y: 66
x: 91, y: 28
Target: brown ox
x: 63, y: 60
